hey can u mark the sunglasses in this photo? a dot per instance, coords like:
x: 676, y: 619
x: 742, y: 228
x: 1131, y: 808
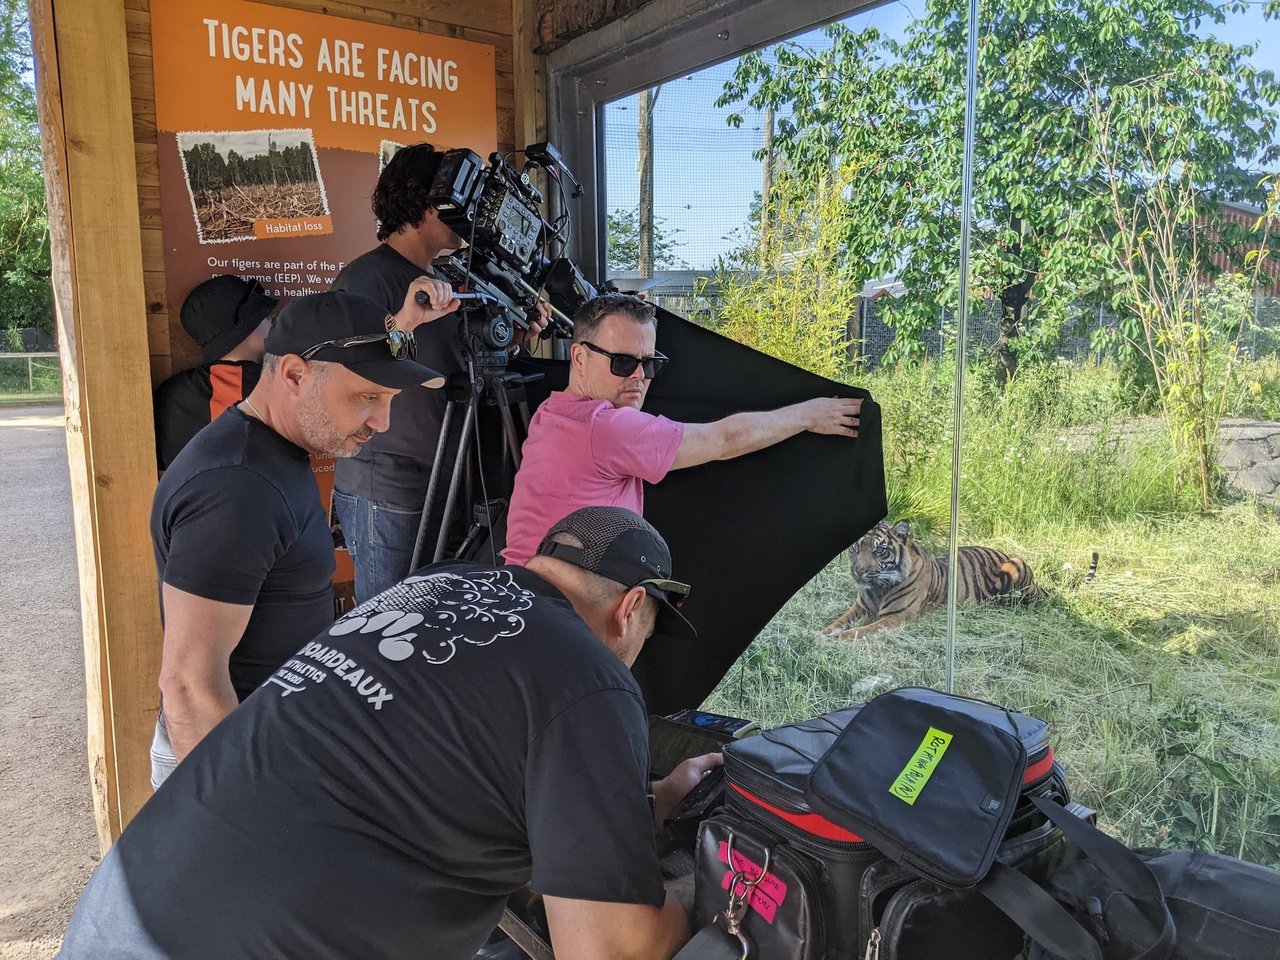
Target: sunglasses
x: 675, y: 591
x: 624, y: 364
x: 400, y: 342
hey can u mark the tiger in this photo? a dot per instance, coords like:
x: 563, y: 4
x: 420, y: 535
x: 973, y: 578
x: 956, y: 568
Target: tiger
x: 897, y: 583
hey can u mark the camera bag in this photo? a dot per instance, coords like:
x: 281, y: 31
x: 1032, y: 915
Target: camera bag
x: 819, y: 864
x: 1223, y: 908
x: 933, y: 780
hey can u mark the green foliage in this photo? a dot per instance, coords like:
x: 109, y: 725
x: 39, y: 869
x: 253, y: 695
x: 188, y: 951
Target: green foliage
x: 1055, y: 446
x: 26, y: 299
x: 788, y: 294
x: 891, y: 113
x: 1159, y: 677
x: 622, y: 242
x: 207, y: 169
x: 1188, y: 332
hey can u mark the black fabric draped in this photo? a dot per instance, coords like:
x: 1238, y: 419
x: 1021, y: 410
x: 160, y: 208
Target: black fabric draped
x: 746, y: 533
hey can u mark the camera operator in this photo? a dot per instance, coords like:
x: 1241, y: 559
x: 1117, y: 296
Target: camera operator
x: 379, y: 492
x: 591, y: 444
x: 468, y: 732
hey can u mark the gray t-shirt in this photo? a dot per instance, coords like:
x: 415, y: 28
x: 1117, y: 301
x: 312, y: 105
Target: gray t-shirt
x: 394, y: 467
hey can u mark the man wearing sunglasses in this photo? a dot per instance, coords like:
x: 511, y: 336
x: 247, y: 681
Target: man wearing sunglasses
x: 468, y: 732
x: 242, y: 543
x: 591, y: 443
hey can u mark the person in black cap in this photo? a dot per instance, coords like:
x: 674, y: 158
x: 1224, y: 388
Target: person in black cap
x: 229, y: 318
x: 470, y: 731
x: 242, y: 544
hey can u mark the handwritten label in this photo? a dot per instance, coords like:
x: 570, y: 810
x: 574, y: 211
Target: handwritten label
x: 915, y: 775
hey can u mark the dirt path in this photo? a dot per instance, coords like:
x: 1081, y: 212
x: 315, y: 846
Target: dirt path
x: 47, y: 841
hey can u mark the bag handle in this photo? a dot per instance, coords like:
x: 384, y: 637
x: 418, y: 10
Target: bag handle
x: 1031, y: 907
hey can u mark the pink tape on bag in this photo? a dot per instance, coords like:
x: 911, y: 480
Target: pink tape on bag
x: 775, y: 888
x: 756, y: 900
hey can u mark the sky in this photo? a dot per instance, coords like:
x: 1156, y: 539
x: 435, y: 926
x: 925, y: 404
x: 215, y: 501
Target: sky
x: 705, y: 177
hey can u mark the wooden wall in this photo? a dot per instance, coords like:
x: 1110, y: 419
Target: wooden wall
x: 118, y: 336
x: 484, y: 21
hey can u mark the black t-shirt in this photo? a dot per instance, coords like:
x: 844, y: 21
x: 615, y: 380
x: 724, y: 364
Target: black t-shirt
x: 457, y: 737
x: 237, y: 518
x: 394, y: 467
x: 187, y: 402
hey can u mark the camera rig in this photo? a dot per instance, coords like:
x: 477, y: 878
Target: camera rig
x: 512, y: 259
x: 513, y: 255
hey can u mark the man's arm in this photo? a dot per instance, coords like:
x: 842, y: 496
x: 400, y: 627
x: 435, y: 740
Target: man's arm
x: 199, y: 636
x: 744, y: 433
x: 590, y: 929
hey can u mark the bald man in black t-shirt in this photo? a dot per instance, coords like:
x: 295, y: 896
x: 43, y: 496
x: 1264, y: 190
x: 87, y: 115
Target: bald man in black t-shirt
x: 467, y: 732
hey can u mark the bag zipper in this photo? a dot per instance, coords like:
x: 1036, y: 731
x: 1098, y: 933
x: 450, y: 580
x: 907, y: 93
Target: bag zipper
x: 892, y: 919
x: 743, y: 807
x: 895, y: 876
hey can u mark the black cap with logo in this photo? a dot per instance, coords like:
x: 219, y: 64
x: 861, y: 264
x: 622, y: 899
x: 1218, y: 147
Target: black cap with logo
x: 623, y: 547
x: 351, y: 330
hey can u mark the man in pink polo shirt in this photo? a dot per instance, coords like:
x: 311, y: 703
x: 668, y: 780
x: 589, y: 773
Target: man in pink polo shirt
x: 591, y: 444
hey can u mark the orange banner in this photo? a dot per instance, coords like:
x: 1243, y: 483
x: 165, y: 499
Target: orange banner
x: 235, y: 65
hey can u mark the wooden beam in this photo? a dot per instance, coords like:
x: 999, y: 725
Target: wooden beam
x: 87, y: 136
x: 529, y: 76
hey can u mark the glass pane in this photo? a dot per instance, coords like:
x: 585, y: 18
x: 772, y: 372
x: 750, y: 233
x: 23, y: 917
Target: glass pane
x: 1121, y: 405
x: 780, y: 187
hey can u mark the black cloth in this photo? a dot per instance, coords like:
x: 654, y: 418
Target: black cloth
x: 746, y: 533
x: 457, y: 737
x: 394, y: 466
x: 189, y: 401
x: 237, y: 519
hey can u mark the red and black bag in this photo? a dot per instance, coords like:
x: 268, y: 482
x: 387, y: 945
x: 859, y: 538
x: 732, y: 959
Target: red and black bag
x: 806, y: 905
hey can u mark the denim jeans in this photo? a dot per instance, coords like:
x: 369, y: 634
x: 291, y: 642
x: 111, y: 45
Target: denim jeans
x: 380, y: 538
x: 163, y: 761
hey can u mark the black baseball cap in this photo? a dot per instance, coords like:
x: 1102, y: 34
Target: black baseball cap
x: 625, y: 548
x: 320, y: 326
x: 221, y: 312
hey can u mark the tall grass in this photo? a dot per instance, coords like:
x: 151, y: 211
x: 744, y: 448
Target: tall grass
x: 1162, y: 676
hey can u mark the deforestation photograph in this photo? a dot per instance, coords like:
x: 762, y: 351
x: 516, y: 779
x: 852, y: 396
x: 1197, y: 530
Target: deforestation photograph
x: 238, y: 177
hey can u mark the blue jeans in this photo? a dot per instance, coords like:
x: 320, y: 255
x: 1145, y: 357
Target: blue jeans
x: 380, y: 538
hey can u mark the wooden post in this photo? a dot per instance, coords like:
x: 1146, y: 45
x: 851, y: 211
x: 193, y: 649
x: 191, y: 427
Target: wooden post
x: 528, y: 75
x: 87, y: 136
x: 646, y: 101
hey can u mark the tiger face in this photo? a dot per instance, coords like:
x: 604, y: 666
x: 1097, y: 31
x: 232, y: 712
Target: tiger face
x: 882, y: 554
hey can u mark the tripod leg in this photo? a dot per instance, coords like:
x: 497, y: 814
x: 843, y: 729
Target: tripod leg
x: 464, y: 447
x: 437, y: 467
x: 509, y: 438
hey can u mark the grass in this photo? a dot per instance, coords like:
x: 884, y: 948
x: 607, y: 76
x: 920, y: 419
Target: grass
x: 1161, y: 677
x: 45, y: 384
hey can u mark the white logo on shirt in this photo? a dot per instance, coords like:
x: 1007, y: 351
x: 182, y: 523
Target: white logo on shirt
x: 438, y: 611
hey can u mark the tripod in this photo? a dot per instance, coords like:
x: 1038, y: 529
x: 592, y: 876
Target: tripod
x: 487, y: 379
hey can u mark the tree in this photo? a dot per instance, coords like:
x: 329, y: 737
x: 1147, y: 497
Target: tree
x: 622, y: 242
x: 892, y: 112
x: 26, y: 298
x: 1187, y: 329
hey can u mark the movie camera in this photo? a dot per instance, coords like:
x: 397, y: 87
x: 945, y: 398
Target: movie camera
x: 513, y: 259
x: 513, y: 255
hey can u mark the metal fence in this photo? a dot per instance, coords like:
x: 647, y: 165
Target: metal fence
x: 687, y: 292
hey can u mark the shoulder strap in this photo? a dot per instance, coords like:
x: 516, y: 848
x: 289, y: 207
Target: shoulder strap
x: 1044, y: 919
